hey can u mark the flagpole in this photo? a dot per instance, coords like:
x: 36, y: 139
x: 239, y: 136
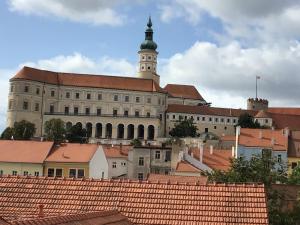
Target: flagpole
x: 256, y: 87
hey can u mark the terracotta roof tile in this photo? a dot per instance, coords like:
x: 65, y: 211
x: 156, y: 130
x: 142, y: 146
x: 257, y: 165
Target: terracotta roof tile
x: 262, y: 114
x: 183, y: 91
x: 206, y: 110
x: 282, y: 110
x: 175, y: 179
x: 218, y: 160
x: 24, y: 151
x: 228, y: 138
x: 95, y: 218
x: 184, y: 166
x: 281, y: 121
x: 116, y: 151
x: 88, y: 80
x: 72, y: 152
x: 3, y: 222
x: 141, y: 202
x: 263, y: 138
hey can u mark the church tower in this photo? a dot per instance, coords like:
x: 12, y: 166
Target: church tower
x: 148, y: 56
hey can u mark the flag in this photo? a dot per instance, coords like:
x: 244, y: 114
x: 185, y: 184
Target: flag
x: 257, y: 77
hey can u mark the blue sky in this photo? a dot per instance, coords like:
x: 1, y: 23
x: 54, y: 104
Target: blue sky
x: 217, y: 46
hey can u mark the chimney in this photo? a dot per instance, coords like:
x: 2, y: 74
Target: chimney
x: 121, y: 145
x: 232, y: 151
x: 273, y: 141
x: 260, y: 134
x: 201, y: 145
x: 286, y: 132
x: 41, y: 211
x: 211, y: 149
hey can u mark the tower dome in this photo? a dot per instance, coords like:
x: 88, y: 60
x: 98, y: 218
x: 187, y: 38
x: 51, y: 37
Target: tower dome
x: 149, y: 43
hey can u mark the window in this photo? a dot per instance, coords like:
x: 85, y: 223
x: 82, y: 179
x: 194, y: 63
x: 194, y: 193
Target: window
x: 10, y: 104
x: 25, y: 173
x: 174, y: 117
x: 25, y: 105
x: 102, y: 175
x: 203, y: 118
x: 50, y: 172
x: 192, y: 117
x: 36, y: 107
x: 137, y: 113
x: 266, y: 121
x: 11, y: 90
x: 116, y: 97
x: 37, y: 91
x: 123, y: 163
x: 36, y: 173
x: 149, y: 100
x: 159, y: 101
x: 1, y: 172
x: 66, y: 109
x: 52, y: 93
x: 76, y: 110
x: 77, y: 95
x: 215, y: 127
x: 115, y: 112
x: 14, y: 173
x: 140, y: 176
x: 180, y: 117
x: 216, y: 120
x: 87, y: 111
x: 99, y: 96
x: 26, y: 89
x: 198, y: 118
x: 228, y: 120
x: 126, y: 98
x: 98, y: 112
x: 148, y: 114
x: 58, y: 172
x: 156, y: 170
x: 126, y: 113
x: 160, y: 116
x: 157, y: 154
x: 222, y: 120
x: 225, y: 128
x: 149, y: 67
x: 168, y: 116
x: 67, y: 94
x: 210, y: 119
x: 80, y: 173
x: 185, y: 117
x: 51, y: 108
x: 294, y: 165
x: 114, y: 165
x: 72, y: 173
x: 234, y: 120
x: 168, y: 156
x: 206, y: 130
x: 166, y: 172
x: 279, y: 159
x: 149, y: 57
x: 88, y: 96
x: 141, y: 161
x: 137, y: 99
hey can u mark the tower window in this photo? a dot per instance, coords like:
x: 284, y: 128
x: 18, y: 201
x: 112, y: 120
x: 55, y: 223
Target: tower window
x: 115, y: 98
x: 149, y: 57
x: 148, y: 67
x: 143, y: 67
x: 143, y: 57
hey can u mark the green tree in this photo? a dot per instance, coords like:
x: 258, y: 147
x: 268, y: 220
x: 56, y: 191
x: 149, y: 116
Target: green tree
x: 23, y: 130
x: 76, y: 134
x: 55, y: 130
x: 8, y: 133
x: 247, y: 121
x: 294, y: 178
x: 184, y: 128
x: 136, y: 142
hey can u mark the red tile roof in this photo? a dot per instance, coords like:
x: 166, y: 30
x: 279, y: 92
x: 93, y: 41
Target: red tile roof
x: 262, y: 114
x: 142, y: 202
x: 205, y: 110
x: 183, y: 91
x: 184, y: 166
x: 116, y: 151
x: 96, y: 218
x: 24, y: 151
x: 72, y: 152
x: 3, y: 222
x: 282, y: 110
x: 228, y: 138
x: 175, y: 179
x: 219, y: 160
x: 87, y: 80
x: 281, y: 121
x: 251, y: 138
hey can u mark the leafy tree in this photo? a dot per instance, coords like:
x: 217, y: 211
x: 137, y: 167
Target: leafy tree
x: 23, y: 130
x: 55, y: 130
x: 294, y: 178
x: 76, y: 134
x: 247, y: 121
x: 136, y: 142
x: 7, y: 133
x: 184, y: 128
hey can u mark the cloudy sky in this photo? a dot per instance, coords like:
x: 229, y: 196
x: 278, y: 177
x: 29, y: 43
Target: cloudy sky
x: 218, y: 46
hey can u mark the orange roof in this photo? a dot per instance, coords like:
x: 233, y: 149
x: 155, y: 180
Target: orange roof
x: 219, y: 160
x: 88, y: 80
x: 263, y: 138
x: 116, y: 151
x: 175, y: 179
x: 183, y: 91
x: 262, y: 114
x: 141, y: 202
x: 24, y: 151
x: 105, y: 217
x: 184, y: 166
x: 283, y: 110
x: 282, y: 121
x: 3, y: 222
x: 72, y: 152
x: 206, y: 110
x: 227, y: 138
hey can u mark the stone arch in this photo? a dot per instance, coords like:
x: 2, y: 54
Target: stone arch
x: 108, y: 130
x: 151, y: 132
x: 98, y: 133
x: 130, y: 131
x: 141, y: 131
x: 120, y: 131
x: 89, y: 129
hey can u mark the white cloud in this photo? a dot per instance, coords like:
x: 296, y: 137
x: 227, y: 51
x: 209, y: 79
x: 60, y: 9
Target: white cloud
x: 97, y: 12
x: 225, y: 75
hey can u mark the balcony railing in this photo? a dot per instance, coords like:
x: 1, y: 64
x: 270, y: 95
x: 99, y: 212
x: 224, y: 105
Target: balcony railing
x: 99, y: 115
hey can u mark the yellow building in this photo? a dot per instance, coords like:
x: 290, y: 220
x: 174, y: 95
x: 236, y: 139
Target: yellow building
x: 293, y: 150
x: 23, y: 157
x: 74, y: 160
